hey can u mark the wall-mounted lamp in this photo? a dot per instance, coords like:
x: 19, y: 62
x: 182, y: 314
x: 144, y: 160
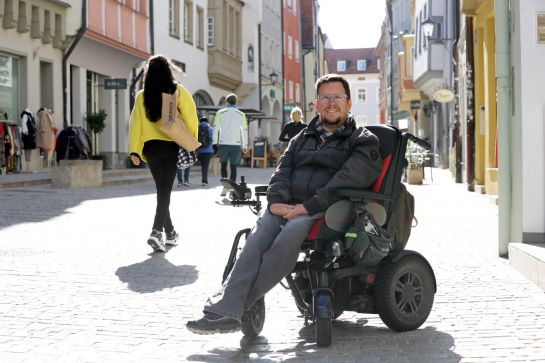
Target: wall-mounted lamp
x: 428, y: 26
x: 273, y: 77
x: 432, y: 29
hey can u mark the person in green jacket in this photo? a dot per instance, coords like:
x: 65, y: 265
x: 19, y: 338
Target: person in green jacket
x: 148, y: 143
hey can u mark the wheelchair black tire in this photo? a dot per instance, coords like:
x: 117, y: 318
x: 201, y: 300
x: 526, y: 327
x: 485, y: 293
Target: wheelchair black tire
x: 404, y: 292
x: 323, y: 332
x: 253, y: 320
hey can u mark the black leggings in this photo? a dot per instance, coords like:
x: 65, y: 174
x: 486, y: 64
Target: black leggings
x: 161, y: 157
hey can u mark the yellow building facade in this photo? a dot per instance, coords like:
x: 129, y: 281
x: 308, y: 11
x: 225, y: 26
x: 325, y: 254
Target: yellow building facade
x: 486, y: 161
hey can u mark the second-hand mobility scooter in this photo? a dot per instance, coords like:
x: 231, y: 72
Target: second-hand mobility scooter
x: 354, y: 258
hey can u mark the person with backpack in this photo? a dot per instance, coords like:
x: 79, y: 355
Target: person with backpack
x: 206, y: 150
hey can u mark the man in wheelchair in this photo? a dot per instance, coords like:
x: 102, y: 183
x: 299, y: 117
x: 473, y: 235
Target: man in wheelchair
x: 330, y: 154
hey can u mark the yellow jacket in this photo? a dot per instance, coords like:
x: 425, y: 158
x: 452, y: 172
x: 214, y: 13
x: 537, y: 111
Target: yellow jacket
x: 141, y: 129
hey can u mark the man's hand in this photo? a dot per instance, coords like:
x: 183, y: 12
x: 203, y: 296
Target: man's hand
x: 135, y: 160
x: 297, y: 210
x: 287, y: 211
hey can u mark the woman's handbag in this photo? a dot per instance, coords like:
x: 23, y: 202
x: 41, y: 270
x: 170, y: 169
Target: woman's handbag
x: 173, y: 126
x: 185, y: 158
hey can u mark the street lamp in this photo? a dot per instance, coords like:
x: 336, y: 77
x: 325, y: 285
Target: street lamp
x: 428, y: 26
x: 273, y: 77
x: 431, y: 28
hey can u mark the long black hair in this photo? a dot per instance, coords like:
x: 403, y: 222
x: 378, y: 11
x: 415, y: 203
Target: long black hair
x: 158, y: 79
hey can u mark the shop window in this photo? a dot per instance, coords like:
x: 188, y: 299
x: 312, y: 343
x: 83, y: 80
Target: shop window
x: 9, y: 90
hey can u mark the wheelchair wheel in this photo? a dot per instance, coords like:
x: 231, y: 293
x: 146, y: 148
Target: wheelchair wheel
x: 323, y: 323
x: 323, y: 332
x: 252, y: 320
x: 404, y: 292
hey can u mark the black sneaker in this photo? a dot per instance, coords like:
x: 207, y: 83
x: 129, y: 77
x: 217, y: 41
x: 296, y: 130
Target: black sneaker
x: 212, y: 323
x: 155, y: 240
x: 172, y: 238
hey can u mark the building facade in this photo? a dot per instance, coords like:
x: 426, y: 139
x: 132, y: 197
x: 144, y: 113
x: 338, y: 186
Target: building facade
x: 360, y: 67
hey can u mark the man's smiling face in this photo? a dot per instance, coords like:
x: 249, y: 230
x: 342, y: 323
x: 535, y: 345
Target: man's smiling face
x: 332, y: 105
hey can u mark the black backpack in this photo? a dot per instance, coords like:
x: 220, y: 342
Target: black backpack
x: 204, y: 136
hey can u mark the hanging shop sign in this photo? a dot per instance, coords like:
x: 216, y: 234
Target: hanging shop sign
x: 115, y: 83
x: 443, y: 95
x: 415, y: 105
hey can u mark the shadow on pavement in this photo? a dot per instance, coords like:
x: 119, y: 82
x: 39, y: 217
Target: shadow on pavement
x: 352, y: 340
x: 39, y: 204
x: 155, y: 274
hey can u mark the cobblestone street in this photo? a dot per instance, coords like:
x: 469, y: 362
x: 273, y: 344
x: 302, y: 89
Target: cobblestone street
x: 79, y: 283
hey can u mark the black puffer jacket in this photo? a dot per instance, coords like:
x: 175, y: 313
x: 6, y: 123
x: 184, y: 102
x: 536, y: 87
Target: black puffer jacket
x: 310, y: 171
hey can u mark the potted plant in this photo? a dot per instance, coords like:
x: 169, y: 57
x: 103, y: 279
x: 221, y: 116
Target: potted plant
x: 415, y: 156
x: 96, y: 123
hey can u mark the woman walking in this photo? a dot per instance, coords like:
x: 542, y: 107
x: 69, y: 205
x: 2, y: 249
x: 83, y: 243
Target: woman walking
x: 148, y: 143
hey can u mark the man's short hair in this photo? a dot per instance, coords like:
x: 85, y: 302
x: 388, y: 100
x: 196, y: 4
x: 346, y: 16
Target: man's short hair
x: 231, y: 99
x: 332, y: 77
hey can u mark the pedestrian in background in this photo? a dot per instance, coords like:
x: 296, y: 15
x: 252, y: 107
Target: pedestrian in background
x: 206, y: 150
x: 293, y: 127
x: 148, y: 143
x: 230, y: 135
x: 183, y: 177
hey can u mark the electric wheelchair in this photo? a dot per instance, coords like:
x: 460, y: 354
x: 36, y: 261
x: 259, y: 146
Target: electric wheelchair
x: 326, y: 281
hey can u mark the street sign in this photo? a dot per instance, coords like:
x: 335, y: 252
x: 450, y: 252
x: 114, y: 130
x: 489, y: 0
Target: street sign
x: 115, y: 83
x: 415, y: 105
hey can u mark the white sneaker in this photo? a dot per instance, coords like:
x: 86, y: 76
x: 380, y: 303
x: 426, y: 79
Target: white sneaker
x: 224, y: 192
x: 172, y: 238
x: 155, y: 240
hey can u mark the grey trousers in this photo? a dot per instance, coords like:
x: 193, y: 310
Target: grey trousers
x: 270, y: 254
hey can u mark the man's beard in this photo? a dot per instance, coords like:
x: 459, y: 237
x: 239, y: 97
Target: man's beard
x: 333, y: 124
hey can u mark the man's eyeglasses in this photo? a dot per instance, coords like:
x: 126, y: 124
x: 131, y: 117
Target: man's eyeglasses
x: 334, y: 98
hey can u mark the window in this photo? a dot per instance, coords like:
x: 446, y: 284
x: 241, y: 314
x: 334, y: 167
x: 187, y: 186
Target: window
x: 200, y: 27
x: 174, y: 18
x: 188, y: 22
x: 251, y: 58
x: 290, y: 44
x: 210, y: 31
x: 284, y: 43
x: 297, y: 94
x: 362, y: 95
x: 341, y: 66
x: 294, y: 7
x: 362, y: 64
x: 297, y: 56
x: 9, y: 87
x: 291, y: 91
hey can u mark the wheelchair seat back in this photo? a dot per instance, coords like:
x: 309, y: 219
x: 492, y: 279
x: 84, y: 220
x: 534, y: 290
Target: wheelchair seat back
x: 385, y: 188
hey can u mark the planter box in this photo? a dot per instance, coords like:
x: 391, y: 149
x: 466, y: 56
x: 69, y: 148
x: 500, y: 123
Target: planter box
x: 415, y: 176
x: 77, y: 174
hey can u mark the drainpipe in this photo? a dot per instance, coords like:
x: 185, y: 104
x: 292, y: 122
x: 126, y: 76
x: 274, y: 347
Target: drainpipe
x: 259, y: 65
x: 503, y: 92
x: 65, y: 56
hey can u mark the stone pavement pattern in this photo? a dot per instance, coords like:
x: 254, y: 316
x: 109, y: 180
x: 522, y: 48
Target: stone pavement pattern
x: 78, y: 284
